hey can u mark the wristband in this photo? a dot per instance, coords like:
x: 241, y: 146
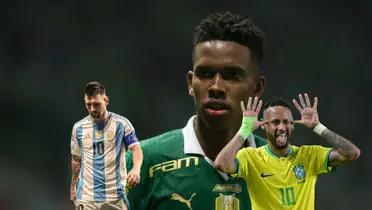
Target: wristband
x: 246, y: 127
x: 318, y: 129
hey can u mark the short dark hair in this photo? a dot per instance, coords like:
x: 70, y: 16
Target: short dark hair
x: 94, y: 88
x: 226, y: 26
x: 276, y: 101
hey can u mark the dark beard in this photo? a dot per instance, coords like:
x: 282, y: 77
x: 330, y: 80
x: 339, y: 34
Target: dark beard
x: 280, y: 147
x: 94, y: 115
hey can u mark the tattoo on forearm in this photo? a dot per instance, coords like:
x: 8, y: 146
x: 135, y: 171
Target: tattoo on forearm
x: 75, y: 164
x: 74, y: 181
x: 75, y: 168
x: 339, y: 143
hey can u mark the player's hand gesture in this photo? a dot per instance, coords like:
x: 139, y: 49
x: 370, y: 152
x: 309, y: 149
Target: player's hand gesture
x: 133, y: 177
x: 309, y: 114
x: 252, y: 110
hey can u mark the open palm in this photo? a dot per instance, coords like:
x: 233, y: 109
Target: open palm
x: 309, y: 114
x: 252, y: 110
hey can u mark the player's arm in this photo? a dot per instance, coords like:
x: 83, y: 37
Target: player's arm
x: 75, y: 168
x: 135, y: 193
x: 343, y: 149
x: 75, y: 163
x: 225, y: 160
x: 134, y: 174
x: 131, y: 140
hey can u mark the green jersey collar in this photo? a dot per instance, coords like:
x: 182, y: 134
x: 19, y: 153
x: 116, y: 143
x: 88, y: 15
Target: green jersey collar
x: 272, y: 154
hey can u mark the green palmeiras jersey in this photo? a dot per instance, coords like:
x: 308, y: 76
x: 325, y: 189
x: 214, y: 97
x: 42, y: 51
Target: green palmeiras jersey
x: 176, y: 174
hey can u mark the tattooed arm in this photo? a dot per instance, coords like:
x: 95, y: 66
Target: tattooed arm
x: 343, y: 150
x: 75, y: 168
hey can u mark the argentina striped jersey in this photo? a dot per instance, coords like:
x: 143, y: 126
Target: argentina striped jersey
x: 102, y: 150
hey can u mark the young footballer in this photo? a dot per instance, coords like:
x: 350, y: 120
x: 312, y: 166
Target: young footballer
x: 281, y: 175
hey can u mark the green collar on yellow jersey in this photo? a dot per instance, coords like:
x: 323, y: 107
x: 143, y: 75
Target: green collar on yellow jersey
x: 271, y: 153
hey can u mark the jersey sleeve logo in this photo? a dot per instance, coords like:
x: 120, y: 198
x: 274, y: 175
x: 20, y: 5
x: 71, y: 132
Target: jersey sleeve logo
x: 266, y: 174
x: 98, y: 134
x: 299, y: 172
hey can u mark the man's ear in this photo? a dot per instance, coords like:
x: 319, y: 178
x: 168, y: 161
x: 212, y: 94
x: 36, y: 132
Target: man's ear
x: 189, y: 78
x: 107, y: 100
x: 263, y: 125
x: 260, y: 86
x: 191, y: 92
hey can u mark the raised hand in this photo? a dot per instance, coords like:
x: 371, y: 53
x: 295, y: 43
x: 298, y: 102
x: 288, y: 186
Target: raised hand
x: 309, y: 114
x: 252, y: 110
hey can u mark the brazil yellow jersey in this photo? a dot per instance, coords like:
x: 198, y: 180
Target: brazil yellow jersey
x: 282, y: 182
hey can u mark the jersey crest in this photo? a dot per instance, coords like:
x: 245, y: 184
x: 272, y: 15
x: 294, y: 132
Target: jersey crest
x: 299, y: 172
x: 227, y: 202
x: 227, y: 199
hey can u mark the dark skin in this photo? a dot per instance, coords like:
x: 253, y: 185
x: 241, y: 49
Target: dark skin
x: 224, y: 74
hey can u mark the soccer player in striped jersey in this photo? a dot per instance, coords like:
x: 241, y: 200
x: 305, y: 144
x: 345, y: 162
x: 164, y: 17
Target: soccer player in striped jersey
x: 178, y: 171
x: 281, y: 175
x: 98, y: 145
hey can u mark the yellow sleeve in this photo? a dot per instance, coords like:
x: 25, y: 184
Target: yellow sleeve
x: 242, y: 159
x: 321, y: 159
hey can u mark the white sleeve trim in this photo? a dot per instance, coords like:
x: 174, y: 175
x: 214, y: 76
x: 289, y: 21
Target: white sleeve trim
x: 131, y: 145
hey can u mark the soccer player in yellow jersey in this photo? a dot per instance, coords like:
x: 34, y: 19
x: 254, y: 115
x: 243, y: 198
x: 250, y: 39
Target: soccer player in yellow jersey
x: 281, y: 175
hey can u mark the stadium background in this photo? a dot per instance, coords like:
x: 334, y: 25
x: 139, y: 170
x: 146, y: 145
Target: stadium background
x: 142, y: 51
